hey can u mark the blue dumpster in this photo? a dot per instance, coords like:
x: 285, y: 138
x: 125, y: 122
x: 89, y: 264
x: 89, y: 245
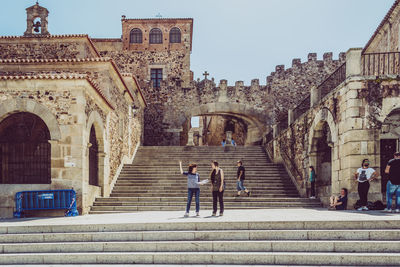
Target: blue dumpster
x: 46, y: 200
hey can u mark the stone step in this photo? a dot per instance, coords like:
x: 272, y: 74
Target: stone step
x: 157, y: 206
x: 205, y: 235
x: 184, y: 194
x: 302, y: 258
x: 205, y: 198
x: 345, y: 246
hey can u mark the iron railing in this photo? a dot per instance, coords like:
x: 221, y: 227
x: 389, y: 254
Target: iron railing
x: 25, y: 163
x: 375, y: 64
x: 269, y: 137
x: 332, y: 81
x: 301, y: 108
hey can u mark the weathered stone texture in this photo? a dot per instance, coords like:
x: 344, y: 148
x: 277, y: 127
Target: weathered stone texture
x: 46, y: 48
x: 288, y: 87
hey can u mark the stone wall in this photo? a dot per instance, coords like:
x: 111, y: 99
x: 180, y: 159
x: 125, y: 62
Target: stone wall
x: 386, y: 36
x: 359, y: 113
x: 53, y: 47
x: 289, y: 86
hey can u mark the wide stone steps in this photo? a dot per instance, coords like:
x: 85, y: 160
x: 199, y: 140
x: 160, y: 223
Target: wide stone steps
x: 351, y: 243
x: 177, y: 195
x: 155, y: 178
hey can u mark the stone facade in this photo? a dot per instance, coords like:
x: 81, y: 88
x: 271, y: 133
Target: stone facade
x: 63, y: 81
x: 171, y: 106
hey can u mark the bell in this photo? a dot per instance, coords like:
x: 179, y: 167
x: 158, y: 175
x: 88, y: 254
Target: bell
x: 36, y: 26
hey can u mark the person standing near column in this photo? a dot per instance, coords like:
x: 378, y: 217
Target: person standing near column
x: 217, y: 188
x: 241, y: 176
x: 312, y: 182
x: 393, y: 185
x: 363, y: 176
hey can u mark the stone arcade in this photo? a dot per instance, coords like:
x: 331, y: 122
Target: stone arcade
x: 80, y: 107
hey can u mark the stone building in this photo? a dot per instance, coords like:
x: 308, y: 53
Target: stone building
x: 69, y: 118
x: 79, y: 107
x: 350, y: 116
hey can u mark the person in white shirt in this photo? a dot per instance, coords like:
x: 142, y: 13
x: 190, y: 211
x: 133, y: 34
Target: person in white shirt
x: 363, y: 176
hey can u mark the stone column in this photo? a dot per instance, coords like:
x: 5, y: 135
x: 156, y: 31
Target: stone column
x: 353, y: 62
x: 190, y: 138
x: 315, y: 96
x: 290, y: 116
x: 223, y: 91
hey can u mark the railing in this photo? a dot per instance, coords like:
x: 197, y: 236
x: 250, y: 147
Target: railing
x: 25, y: 163
x: 301, y: 108
x: 329, y: 84
x: 375, y: 64
x: 291, y: 166
x: 283, y: 124
x: 333, y: 80
x: 269, y: 136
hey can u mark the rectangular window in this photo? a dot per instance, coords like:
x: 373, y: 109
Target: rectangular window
x: 156, y: 77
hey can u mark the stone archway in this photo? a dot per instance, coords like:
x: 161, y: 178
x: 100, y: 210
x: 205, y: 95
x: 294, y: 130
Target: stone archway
x: 11, y: 106
x: 322, y: 148
x: 96, y: 150
x: 25, y: 153
x: 254, y: 119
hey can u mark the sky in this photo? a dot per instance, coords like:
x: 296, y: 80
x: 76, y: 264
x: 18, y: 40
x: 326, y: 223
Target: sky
x: 232, y: 39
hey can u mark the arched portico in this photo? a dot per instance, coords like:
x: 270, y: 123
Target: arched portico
x: 255, y: 120
x: 322, y: 152
x: 96, y: 155
x: 11, y: 106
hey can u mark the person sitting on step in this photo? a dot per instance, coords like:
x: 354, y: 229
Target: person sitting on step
x: 339, y: 202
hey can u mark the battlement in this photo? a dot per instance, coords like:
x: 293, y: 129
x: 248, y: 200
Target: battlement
x: 312, y: 58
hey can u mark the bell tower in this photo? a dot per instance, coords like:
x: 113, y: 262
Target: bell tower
x: 36, y: 21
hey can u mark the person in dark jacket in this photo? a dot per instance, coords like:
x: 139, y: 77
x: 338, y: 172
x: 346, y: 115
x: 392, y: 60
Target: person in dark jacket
x: 217, y: 188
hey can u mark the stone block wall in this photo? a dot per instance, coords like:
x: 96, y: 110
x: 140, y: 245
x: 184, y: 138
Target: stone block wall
x: 49, y: 47
x: 355, y: 113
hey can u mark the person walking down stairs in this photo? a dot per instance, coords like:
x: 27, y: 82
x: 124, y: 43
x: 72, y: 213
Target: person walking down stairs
x: 241, y: 176
x: 193, y: 179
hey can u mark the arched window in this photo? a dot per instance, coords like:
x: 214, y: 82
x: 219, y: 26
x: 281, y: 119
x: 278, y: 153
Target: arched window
x: 175, y: 35
x: 136, y: 36
x: 156, y: 36
x: 93, y: 158
x: 25, y: 153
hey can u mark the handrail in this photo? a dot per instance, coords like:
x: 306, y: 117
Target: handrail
x: 380, y: 63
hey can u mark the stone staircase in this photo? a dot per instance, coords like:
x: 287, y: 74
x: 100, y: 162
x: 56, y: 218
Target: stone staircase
x: 153, y: 182
x: 355, y: 243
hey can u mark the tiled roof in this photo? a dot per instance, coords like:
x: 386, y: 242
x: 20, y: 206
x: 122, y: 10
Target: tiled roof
x: 71, y: 76
x: 52, y: 60
x: 45, y: 36
x: 97, y: 59
x: 383, y: 22
x: 160, y: 19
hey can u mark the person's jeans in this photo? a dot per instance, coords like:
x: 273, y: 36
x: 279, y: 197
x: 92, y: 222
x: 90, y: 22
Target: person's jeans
x: 240, y: 186
x: 363, y: 192
x: 313, y: 189
x: 192, y: 191
x: 220, y: 196
x: 391, y: 190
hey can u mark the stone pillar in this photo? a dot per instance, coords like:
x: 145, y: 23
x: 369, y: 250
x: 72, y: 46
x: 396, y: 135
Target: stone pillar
x: 190, y: 138
x: 353, y: 62
x: 315, y: 96
x: 290, y: 116
x: 223, y: 91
